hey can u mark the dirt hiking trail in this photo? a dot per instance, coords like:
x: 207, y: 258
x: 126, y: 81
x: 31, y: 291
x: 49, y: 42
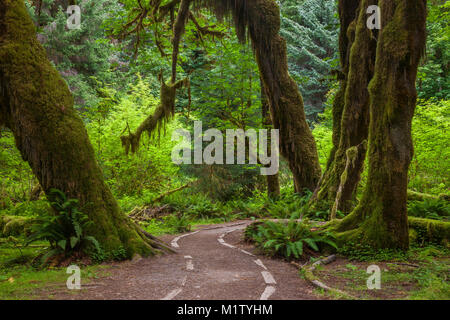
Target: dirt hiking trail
x: 211, y: 263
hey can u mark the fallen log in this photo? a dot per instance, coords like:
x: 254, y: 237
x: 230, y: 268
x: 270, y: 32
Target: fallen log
x: 168, y: 193
x: 419, y: 196
x: 428, y: 230
x: 147, y: 212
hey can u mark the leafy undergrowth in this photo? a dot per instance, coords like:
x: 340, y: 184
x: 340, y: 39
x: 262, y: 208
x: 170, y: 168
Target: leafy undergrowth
x: 421, y: 273
x: 173, y: 225
x: 437, y: 209
x: 181, y: 212
x: 21, y: 279
x: 289, y: 239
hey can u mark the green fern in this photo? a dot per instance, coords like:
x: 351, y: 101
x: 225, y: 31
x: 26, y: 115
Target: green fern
x: 436, y: 209
x: 289, y: 240
x: 65, y: 230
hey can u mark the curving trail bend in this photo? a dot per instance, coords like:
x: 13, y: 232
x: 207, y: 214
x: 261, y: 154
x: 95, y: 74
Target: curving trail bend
x: 211, y: 263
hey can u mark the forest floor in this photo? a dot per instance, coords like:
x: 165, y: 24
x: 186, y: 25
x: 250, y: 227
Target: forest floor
x: 214, y: 262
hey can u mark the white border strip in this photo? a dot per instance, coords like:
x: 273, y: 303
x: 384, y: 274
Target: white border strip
x: 174, y: 242
x: 267, y: 293
x: 172, y: 294
x: 268, y: 278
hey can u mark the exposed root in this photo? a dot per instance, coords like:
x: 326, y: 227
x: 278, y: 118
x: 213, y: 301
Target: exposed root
x: 154, y: 242
x: 308, y: 272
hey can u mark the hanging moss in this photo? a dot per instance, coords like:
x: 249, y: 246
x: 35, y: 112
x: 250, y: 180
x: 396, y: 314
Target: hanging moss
x: 259, y: 21
x: 155, y: 122
x: 178, y: 31
x: 297, y: 144
x: 38, y: 108
x: 166, y: 109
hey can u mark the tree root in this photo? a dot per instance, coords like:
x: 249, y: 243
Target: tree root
x: 308, y: 272
x: 154, y: 242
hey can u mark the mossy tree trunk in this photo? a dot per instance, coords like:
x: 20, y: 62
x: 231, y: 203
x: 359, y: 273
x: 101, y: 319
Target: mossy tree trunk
x: 260, y: 21
x: 37, y: 106
x: 351, y: 129
x: 297, y: 144
x: 381, y: 219
x: 348, y: 10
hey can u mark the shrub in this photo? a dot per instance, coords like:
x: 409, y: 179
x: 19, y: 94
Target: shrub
x: 292, y: 239
x: 179, y: 223
x: 436, y: 209
x: 65, y: 230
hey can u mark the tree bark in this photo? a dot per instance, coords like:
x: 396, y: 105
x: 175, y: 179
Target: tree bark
x: 348, y: 12
x: 260, y: 21
x: 297, y: 144
x: 352, y: 127
x: 380, y: 219
x: 36, y: 104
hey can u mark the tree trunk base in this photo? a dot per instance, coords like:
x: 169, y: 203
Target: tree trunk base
x: 367, y: 228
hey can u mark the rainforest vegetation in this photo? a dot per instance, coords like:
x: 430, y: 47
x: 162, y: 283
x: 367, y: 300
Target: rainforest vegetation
x: 87, y: 116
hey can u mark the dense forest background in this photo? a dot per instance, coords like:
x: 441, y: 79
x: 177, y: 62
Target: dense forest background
x: 114, y: 88
x: 117, y: 66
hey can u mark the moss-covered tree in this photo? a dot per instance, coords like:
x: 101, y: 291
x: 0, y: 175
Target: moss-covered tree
x: 261, y: 19
x: 381, y: 219
x: 258, y: 21
x: 352, y: 108
x: 37, y: 106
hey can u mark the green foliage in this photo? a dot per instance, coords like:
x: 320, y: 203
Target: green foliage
x: 430, y: 170
x: 65, y: 230
x: 430, y: 209
x: 289, y: 240
x: 180, y: 223
x: 364, y: 252
x: 148, y: 171
x: 28, y: 208
x: 21, y: 279
x: 197, y: 206
x: 100, y: 255
x: 16, y: 178
x: 288, y: 205
x: 434, y: 75
x: 310, y: 28
x: 226, y: 94
x: 323, y: 130
x: 260, y: 205
x: 433, y: 281
x: 226, y: 79
x: 80, y: 54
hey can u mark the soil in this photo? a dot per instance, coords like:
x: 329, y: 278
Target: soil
x: 351, y: 277
x: 213, y: 262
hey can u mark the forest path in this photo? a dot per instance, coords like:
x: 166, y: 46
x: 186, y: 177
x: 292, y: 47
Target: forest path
x: 211, y: 263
